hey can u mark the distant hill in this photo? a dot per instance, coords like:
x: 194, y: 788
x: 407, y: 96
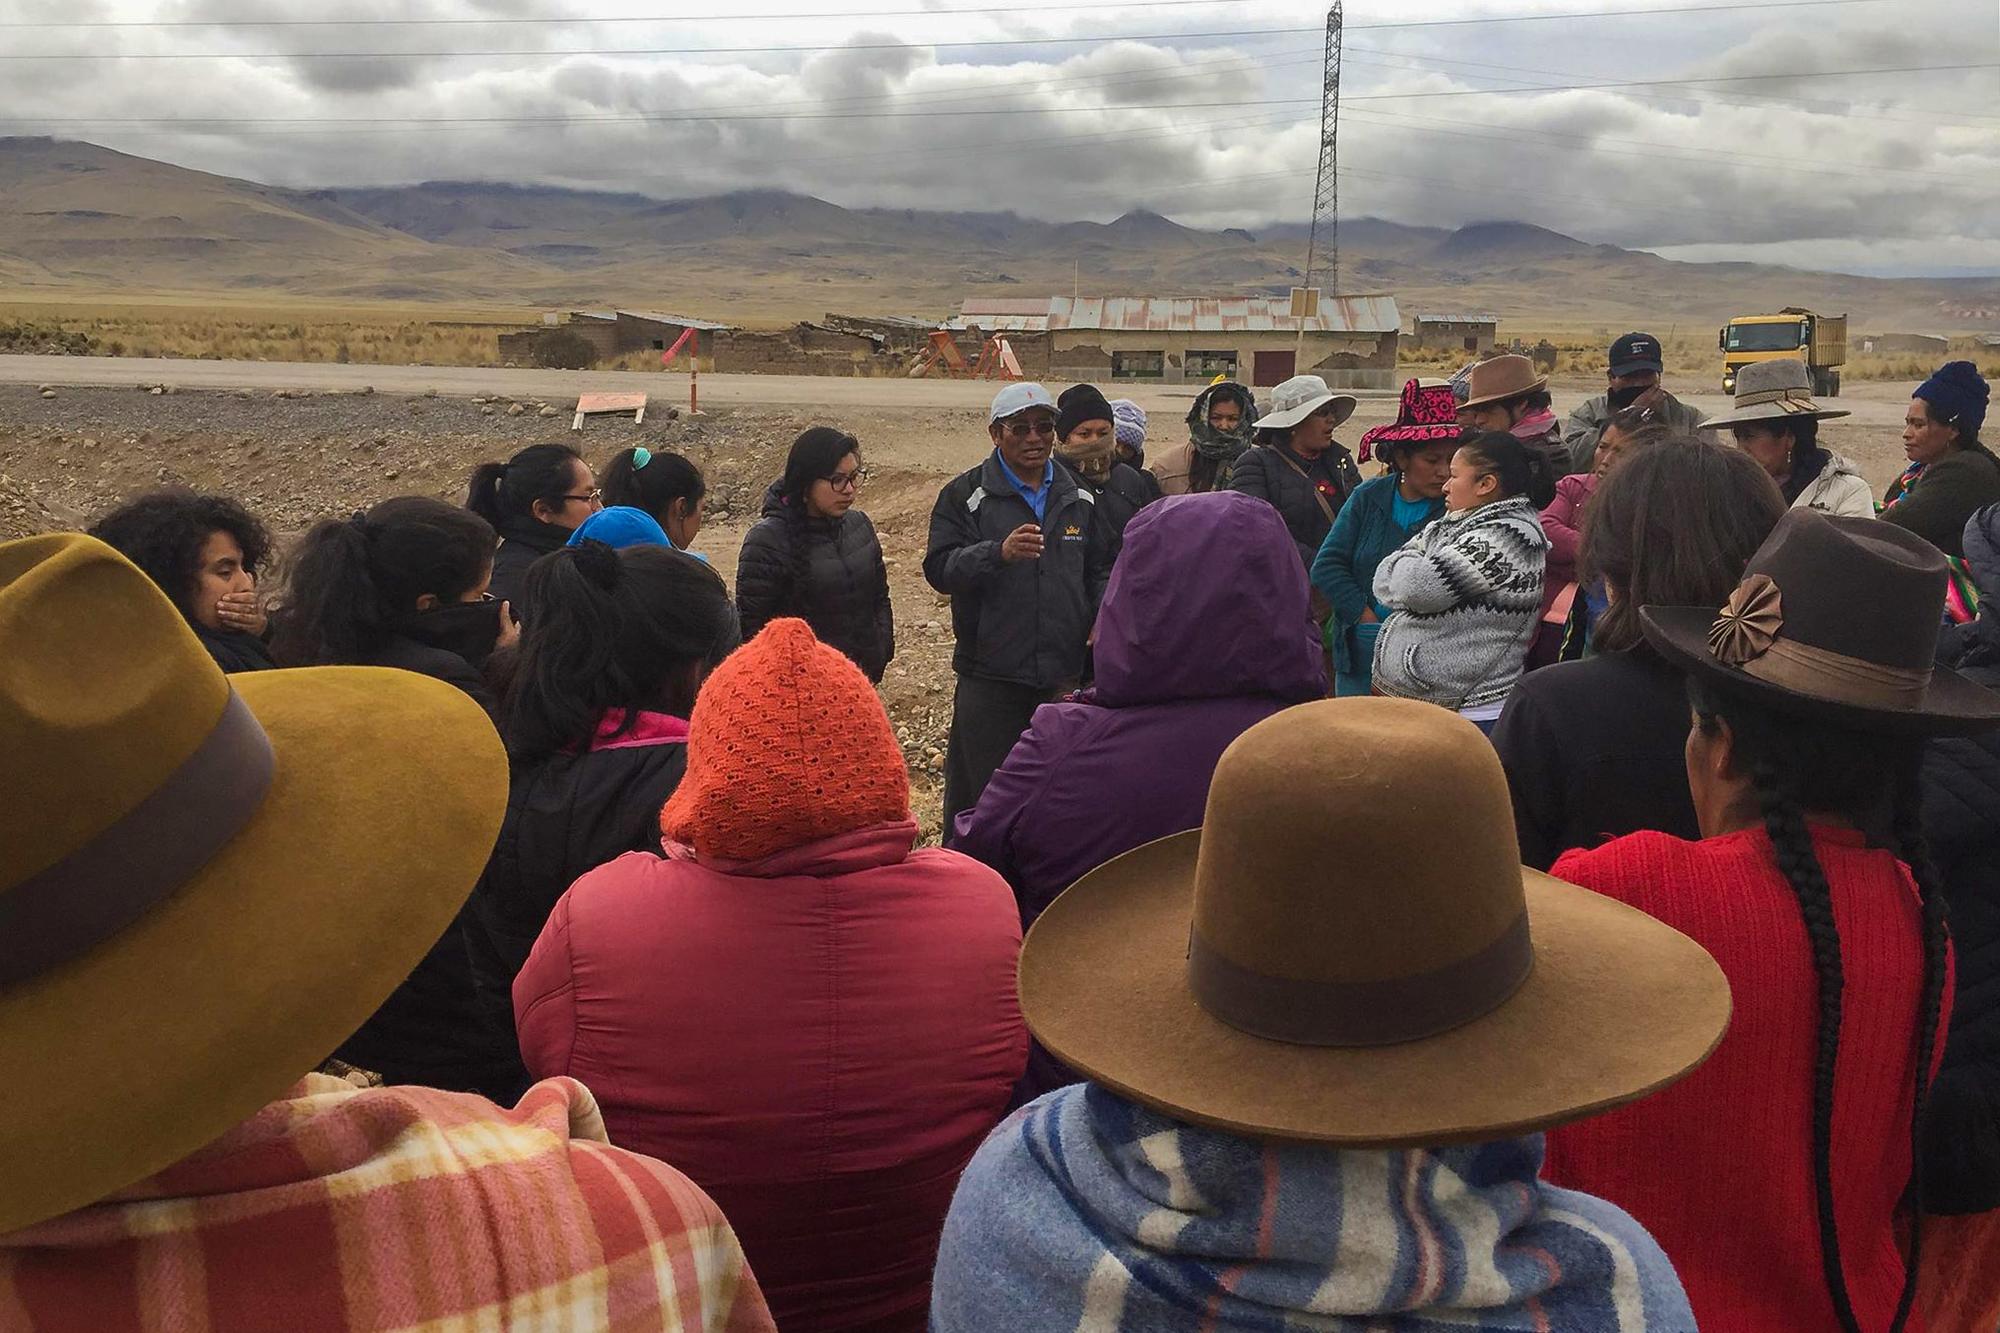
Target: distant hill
x: 77, y: 216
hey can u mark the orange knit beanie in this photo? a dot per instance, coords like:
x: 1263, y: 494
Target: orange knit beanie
x: 788, y: 744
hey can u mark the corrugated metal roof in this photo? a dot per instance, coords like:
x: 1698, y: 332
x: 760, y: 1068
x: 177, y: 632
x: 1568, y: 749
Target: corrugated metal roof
x: 678, y: 321
x: 1457, y: 319
x: 1150, y: 314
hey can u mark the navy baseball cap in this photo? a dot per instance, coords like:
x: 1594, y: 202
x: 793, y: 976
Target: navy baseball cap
x: 1636, y: 352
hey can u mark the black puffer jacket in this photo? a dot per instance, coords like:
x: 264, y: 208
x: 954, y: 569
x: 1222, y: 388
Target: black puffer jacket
x: 566, y: 815
x: 1024, y: 623
x: 430, y: 1031
x: 1272, y: 472
x: 1123, y: 494
x: 522, y: 543
x: 837, y: 583
x: 1962, y: 826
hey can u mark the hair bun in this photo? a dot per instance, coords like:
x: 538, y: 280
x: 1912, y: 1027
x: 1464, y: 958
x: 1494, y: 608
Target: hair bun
x: 598, y: 563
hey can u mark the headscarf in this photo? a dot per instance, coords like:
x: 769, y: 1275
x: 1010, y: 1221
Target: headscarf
x: 1212, y: 444
x: 1129, y: 422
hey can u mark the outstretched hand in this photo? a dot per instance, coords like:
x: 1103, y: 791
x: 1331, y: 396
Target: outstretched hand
x: 1023, y: 543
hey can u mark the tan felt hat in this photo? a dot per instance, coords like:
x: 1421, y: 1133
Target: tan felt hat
x: 1326, y: 960
x: 207, y: 882
x: 1772, y: 391
x: 1499, y: 378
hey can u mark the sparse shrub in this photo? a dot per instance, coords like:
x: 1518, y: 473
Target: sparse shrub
x: 560, y: 349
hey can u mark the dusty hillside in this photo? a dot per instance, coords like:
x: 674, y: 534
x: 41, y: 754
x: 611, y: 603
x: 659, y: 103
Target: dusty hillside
x: 76, y: 217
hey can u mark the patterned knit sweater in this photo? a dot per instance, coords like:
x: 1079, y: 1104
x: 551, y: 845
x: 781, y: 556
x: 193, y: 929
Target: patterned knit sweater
x: 1463, y: 596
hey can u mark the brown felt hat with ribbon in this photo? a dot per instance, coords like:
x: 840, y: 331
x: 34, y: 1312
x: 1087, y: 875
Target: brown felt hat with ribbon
x: 207, y: 882
x: 1320, y: 961
x: 1499, y: 378
x: 1837, y: 619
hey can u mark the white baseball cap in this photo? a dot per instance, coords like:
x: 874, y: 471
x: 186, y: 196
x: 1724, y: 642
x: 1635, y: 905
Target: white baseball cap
x: 1018, y: 398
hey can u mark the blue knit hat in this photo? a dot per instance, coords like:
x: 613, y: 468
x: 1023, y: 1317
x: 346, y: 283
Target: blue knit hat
x: 619, y: 527
x: 1958, y: 394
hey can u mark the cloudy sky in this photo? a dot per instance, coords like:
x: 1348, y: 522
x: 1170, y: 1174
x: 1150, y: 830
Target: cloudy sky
x: 1742, y: 132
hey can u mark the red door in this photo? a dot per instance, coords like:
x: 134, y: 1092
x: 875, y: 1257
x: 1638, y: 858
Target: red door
x: 1272, y: 368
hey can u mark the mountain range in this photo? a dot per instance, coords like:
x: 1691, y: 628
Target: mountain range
x: 77, y: 218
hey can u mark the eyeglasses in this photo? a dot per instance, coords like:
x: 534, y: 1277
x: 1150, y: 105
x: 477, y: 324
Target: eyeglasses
x: 1021, y: 429
x: 845, y: 481
x: 594, y: 496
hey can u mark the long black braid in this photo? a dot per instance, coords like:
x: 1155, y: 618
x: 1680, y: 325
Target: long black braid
x: 1795, y: 767
x: 1785, y: 822
x: 1908, y: 831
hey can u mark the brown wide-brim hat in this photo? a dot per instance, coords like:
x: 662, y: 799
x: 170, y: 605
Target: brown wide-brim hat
x: 1836, y: 619
x: 1615, y: 1005
x: 383, y: 804
x: 1499, y: 378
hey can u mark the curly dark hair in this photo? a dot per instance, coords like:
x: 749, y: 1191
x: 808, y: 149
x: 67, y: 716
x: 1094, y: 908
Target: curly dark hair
x: 162, y: 532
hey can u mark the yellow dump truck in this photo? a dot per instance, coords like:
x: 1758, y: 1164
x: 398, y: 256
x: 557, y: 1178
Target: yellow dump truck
x: 1818, y: 340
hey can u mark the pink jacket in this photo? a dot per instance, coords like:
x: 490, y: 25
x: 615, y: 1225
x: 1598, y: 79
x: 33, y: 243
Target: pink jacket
x: 820, y: 1039
x: 1563, y: 522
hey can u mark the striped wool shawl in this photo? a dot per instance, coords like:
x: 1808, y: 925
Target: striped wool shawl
x: 1085, y: 1211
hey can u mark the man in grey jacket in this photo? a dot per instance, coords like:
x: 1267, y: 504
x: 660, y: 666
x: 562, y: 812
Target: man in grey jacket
x: 1634, y: 381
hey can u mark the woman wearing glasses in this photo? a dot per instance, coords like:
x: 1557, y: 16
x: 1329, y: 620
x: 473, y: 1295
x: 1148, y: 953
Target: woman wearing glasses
x: 815, y: 556
x: 534, y: 501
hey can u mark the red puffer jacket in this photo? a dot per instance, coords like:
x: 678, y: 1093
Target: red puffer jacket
x: 820, y: 1039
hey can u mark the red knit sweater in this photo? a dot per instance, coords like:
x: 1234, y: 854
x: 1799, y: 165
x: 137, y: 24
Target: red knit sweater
x: 1719, y: 1166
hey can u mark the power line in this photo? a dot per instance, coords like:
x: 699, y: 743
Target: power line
x: 544, y: 53
x: 1011, y: 10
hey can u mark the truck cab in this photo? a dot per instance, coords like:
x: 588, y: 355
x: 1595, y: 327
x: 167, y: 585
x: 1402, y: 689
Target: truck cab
x: 1818, y: 340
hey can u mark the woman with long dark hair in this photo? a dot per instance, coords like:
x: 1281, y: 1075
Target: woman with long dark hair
x: 595, y: 722
x: 815, y: 556
x: 204, y: 551
x: 1776, y: 1175
x: 402, y: 585
x: 665, y: 485
x: 1592, y: 748
x: 534, y: 501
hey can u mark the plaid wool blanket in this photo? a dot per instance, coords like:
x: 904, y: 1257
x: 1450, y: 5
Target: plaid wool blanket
x: 1084, y: 1211
x: 338, y: 1208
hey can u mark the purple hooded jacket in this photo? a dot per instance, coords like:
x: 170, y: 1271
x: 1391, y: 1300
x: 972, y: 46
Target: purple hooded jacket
x: 1205, y: 630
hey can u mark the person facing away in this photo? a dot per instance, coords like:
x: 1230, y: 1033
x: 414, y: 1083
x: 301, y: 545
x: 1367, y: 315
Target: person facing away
x: 1776, y: 1175
x: 1951, y: 475
x: 1632, y: 374
x: 1462, y: 594
x: 404, y: 585
x: 534, y: 501
x: 1379, y: 517
x: 814, y: 556
x: 172, y: 1163
x: 1014, y: 545
x: 1183, y: 668
x: 1562, y: 523
x: 663, y: 484
x: 596, y: 729
x: 1593, y: 748
x: 1304, y: 1111
x: 204, y: 552
x: 807, y: 1012
x: 1220, y: 427
x: 1297, y: 466
x: 1087, y: 444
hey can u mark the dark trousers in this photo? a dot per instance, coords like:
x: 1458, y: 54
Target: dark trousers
x: 987, y: 717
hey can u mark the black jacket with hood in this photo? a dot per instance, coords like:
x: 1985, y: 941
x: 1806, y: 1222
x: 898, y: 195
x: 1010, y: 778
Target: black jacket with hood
x: 1027, y: 622
x: 826, y: 571
x: 522, y: 543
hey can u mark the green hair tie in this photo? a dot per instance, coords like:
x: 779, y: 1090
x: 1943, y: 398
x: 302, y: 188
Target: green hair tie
x: 640, y: 457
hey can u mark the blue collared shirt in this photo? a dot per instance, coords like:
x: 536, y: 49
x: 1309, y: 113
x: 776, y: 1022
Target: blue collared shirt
x: 1037, y: 500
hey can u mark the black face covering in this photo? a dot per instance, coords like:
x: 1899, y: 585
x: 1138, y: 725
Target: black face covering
x: 1620, y: 399
x: 466, y: 628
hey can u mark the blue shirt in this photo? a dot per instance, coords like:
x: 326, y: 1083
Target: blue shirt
x: 1037, y: 500
x: 1408, y: 514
